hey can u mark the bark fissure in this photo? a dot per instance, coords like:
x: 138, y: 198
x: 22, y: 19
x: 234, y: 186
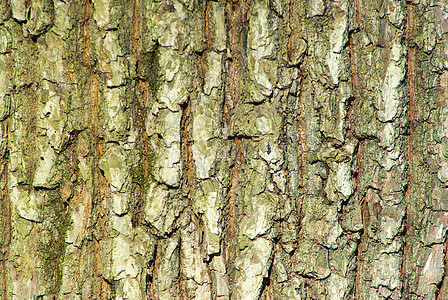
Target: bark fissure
x: 5, y: 210
x: 411, y: 82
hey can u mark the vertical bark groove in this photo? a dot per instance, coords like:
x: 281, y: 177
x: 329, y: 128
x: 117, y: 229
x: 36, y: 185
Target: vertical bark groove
x: 411, y: 79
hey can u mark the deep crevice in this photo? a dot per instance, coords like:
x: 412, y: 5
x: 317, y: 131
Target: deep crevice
x: 406, y: 219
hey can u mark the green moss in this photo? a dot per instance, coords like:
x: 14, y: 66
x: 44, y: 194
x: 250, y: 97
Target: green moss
x: 113, y: 289
x: 138, y: 175
x: 146, y: 161
x: 52, y: 244
x: 149, y: 69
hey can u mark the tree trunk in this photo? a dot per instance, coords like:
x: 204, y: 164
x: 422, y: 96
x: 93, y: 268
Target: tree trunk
x: 175, y: 149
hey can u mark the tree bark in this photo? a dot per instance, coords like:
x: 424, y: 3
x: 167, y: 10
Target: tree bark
x: 175, y: 149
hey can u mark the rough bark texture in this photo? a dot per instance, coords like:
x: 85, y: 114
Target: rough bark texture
x: 176, y: 149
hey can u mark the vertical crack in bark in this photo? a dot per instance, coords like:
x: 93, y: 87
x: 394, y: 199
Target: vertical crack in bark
x: 135, y: 27
x: 99, y: 182
x: 288, y: 47
x: 192, y: 229
x: 32, y: 131
x: 32, y: 114
x: 94, y: 90
x: 352, y: 133
x: 364, y: 222
x: 411, y: 83
x: 5, y: 211
x: 234, y: 184
x: 141, y: 86
x: 353, y: 77
x: 187, y: 154
x: 233, y: 180
x: 207, y: 43
x: 101, y: 217
x: 207, y: 25
x: 5, y: 204
x: 358, y: 12
x: 303, y: 168
x: 142, y: 140
x: 234, y: 21
x: 87, y: 33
